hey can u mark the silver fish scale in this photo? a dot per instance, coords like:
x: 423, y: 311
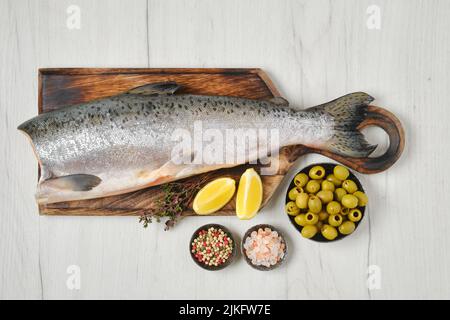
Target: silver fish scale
x: 135, y: 131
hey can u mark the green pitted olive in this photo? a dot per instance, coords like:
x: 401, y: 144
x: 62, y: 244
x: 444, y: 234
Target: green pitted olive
x: 323, y: 215
x: 314, y: 204
x: 349, y: 186
x: 309, y: 231
x: 345, y: 211
x: 349, y: 201
x: 292, y: 209
x: 339, y: 193
x: 332, y: 178
x: 335, y: 220
x: 325, y: 195
x: 301, y: 179
x: 341, y: 172
x: 355, y: 215
x: 311, y: 218
x: 294, y: 192
x: 302, y: 200
x: 327, y: 185
x: 317, y: 172
x: 300, y: 219
x: 362, y: 198
x: 312, y: 186
x: 329, y: 232
x: 347, y: 227
x: 333, y: 207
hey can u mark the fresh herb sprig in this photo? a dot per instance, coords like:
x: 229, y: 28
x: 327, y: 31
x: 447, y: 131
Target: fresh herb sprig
x: 174, y: 199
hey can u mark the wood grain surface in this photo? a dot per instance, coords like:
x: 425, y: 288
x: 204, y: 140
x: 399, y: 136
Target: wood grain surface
x: 314, y: 51
x: 60, y: 87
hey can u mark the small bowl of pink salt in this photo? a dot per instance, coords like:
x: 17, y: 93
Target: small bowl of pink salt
x: 264, y: 247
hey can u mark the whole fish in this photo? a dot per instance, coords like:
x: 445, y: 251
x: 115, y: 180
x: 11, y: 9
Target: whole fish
x: 124, y: 143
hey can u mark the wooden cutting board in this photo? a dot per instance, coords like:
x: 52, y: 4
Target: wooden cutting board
x: 59, y: 87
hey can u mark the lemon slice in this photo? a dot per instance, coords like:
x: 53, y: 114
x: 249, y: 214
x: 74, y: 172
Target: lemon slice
x: 249, y: 195
x: 214, y: 196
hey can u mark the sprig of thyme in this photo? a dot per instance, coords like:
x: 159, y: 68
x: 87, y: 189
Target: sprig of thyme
x: 174, y: 199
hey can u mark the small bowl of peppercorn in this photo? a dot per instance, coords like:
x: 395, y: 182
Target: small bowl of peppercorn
x: 212, y: 247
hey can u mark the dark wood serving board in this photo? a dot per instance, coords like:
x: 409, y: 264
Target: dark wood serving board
x: 58, y: 87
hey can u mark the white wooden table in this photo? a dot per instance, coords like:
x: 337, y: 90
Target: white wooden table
x: 314, y: 51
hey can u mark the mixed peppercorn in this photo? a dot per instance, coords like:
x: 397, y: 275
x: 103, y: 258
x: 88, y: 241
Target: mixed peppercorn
x: 212, y: 247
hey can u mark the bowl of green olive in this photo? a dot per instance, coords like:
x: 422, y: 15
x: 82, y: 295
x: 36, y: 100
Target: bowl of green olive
x: 325, y: 202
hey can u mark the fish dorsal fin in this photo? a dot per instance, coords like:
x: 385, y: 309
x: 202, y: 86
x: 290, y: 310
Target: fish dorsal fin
x: 279, y: 101
x: 169, y: 87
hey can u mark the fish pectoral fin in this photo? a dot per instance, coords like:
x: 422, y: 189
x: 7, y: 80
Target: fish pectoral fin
x: 74, y: 182
x: 279, y: 101
x: 46, y: 174
x: 169, y: 87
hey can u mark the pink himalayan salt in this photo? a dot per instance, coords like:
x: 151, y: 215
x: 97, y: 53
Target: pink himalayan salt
x: 264, y: 247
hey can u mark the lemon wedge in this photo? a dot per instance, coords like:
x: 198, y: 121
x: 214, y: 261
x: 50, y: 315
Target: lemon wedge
x: 214, y: 195
x: 249, y: 195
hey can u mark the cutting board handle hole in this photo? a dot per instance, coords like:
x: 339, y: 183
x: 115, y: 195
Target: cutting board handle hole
x: 377, y: 135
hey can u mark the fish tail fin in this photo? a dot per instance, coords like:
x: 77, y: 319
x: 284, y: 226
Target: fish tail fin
x: 347, y: 113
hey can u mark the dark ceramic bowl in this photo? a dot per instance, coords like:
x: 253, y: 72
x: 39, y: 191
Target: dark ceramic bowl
x: 255, y: 228
x: 329, y: 169
x: 230, y: 259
